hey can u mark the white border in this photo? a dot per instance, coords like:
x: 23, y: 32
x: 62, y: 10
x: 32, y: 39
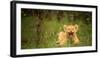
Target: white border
x: 51, y: 50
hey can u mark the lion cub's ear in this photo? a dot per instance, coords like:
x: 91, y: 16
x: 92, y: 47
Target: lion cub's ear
x: 64, y: 27
x: 76, y: 27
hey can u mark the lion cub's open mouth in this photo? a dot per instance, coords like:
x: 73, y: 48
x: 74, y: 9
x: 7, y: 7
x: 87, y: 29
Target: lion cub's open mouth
x: 70, y: 33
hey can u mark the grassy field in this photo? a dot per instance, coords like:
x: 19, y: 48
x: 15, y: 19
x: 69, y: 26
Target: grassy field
x: 47, y: 36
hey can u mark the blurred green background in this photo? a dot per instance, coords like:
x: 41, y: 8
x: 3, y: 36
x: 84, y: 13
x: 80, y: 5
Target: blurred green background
x: 39, y: 28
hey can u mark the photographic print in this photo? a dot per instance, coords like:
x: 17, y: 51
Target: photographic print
x: 55, y: 28
x: 47, y: 28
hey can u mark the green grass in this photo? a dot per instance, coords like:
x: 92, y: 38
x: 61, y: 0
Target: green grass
x: 48, y: 34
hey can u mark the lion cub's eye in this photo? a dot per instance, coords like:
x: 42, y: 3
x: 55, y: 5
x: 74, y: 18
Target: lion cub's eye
x: 72, y: 28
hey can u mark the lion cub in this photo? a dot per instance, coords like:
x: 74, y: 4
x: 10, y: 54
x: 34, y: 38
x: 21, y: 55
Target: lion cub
x: 68, y: 33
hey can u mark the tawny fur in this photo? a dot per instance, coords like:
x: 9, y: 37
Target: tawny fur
x: 61, y: 38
